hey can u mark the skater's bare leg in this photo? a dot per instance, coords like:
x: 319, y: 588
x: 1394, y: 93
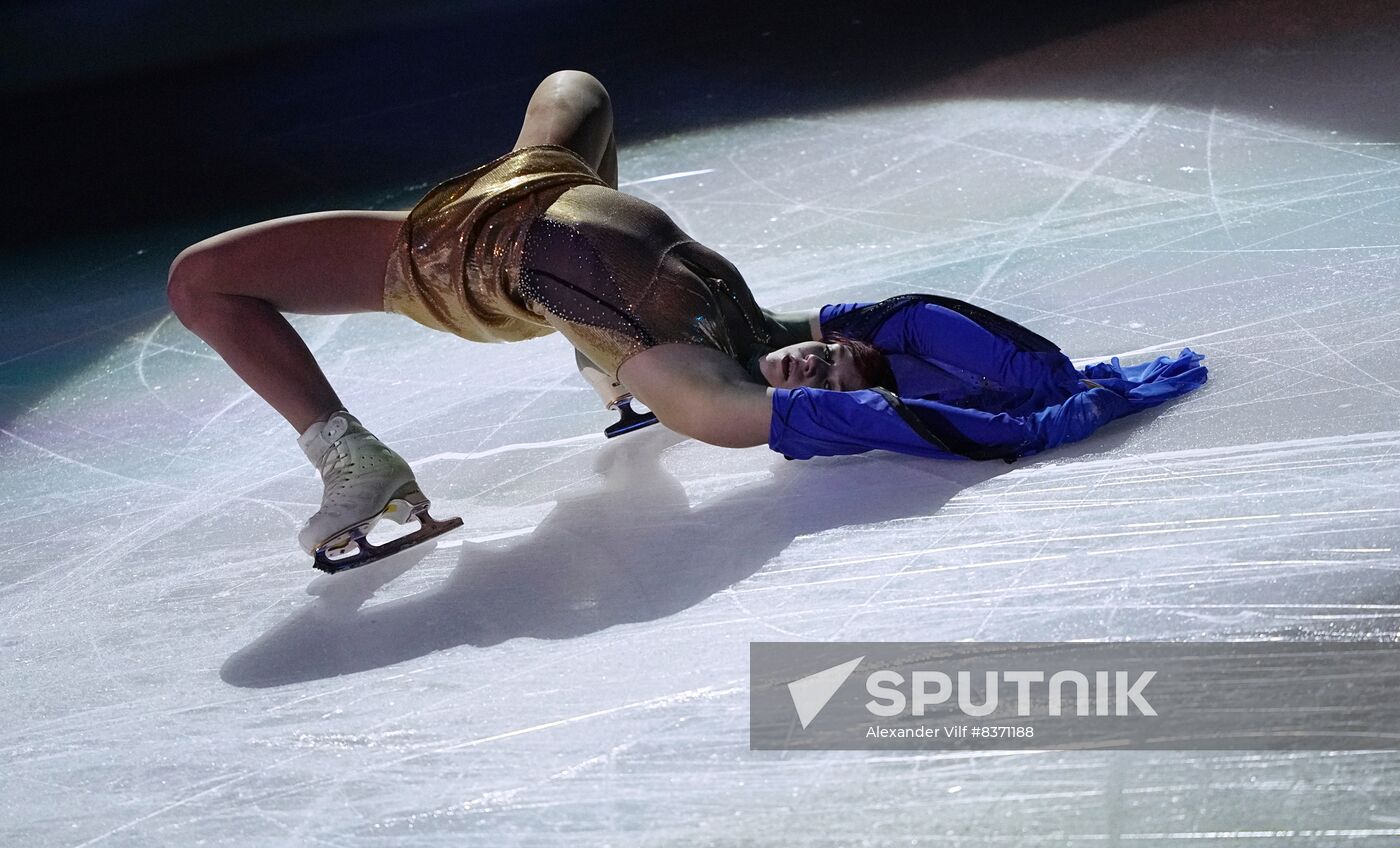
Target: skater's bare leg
x: 572, y: 109
x: 230, y: 290
x: 607, y: 168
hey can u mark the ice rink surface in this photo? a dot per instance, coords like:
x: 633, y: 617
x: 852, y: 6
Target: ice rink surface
x: 573, y: 664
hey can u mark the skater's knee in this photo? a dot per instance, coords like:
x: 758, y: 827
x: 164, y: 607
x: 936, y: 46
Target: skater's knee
x: 576, y: 82
x: 573, y: 92
x: 573, y: 110
x: 190, y: 285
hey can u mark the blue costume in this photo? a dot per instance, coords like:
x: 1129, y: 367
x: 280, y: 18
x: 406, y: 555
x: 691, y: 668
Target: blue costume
x: 970, y: 384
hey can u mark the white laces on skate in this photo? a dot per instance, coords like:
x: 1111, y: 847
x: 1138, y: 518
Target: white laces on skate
x: 345, y: 469
x: 338, y: 475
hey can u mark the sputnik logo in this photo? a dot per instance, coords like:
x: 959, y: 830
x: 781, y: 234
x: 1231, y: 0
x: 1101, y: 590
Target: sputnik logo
x: 811, y: 693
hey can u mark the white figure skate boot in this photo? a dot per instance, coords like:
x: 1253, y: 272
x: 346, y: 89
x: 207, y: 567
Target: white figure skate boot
x: 365, y: 481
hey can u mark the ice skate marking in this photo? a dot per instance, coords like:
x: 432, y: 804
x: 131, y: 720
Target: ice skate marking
x: 1035, y: 226
x: 677, y: 175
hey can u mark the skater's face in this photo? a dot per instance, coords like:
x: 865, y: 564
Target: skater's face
x: 819, y: 365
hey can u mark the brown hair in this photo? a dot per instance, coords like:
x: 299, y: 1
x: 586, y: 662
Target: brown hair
x: 872, y: 364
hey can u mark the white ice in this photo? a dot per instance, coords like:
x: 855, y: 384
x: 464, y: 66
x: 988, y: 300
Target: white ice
x: 573, y: 664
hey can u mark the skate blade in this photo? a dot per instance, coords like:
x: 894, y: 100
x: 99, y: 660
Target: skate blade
x: 366, y: 552
x: 405, y: 504
x: 630, y: 421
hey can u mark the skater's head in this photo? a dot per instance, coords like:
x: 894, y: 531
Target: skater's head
x: 838, y: 363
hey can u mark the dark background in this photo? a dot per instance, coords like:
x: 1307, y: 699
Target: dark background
x: 125, y: 116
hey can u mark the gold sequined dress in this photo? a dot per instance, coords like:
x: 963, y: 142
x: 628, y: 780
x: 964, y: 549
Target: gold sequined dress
x: 535, y: 242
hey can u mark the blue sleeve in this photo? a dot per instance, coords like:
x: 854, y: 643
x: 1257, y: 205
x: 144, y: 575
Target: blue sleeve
x: 915, y: 328
x: 927, y: 324
x: 810, y: 422
x: 929, y: 328
x: 814, y: 422
x: 832, y: 313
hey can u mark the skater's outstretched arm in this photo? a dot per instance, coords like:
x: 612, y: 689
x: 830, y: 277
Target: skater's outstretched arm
x: 721, y: 413
x: 701, y: 393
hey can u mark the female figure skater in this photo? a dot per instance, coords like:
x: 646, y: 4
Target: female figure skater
x: 540, y: 240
